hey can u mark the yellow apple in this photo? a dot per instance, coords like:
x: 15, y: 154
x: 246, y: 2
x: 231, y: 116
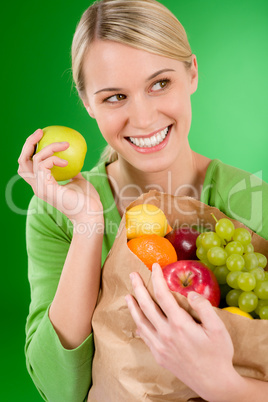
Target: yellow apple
x: 75, y: 154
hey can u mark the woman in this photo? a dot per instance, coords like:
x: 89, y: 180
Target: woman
x: 135, y: 72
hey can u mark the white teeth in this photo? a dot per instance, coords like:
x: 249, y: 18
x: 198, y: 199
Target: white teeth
x: 159, y: 137
x: 142, y: 142
x: 151, y: 141
x: 154, y: 140
x: 147, y: 142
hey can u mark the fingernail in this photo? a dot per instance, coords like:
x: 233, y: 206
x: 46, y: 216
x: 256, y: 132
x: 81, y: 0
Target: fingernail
x: 154, y: 266
x: 38, y: 132
x: 131, y: 276
x: 193, y: 295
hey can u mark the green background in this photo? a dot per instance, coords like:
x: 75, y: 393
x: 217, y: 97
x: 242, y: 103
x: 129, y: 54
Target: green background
x: 229, y: 119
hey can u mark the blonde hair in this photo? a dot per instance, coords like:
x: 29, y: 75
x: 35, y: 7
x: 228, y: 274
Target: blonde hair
x: 144, y: 24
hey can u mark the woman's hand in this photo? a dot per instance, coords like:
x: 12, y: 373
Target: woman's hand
x: 78, y: 288
x: 78, y: 199
x: 200, y: 355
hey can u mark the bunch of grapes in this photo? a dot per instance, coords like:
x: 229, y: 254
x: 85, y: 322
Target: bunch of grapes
x: 240, y: 271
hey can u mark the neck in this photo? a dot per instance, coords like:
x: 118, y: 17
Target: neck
x: 184, y: 178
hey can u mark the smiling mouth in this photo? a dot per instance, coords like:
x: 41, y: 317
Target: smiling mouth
x: 152, y: 141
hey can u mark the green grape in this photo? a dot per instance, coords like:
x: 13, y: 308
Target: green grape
x: 246, y: 281
x: 265, y: 275
x: 234, y: 247
x: 258, y: 273
x: 264, y: 313
x: 225, y: 229
x: 242, y: 235
x: 251, y: 261
x: 231, y: 279
x: 235, y: 262
x: 201, y: 253
x: 247, y: 301
x: 249, y: 248
x: 198, y: 240
x: 261, y: 290
x: 216, y: 256
x: 232, y: 297
x: 208, y: 264
x: 261, y: 259
x: 261, y: 303
x: 210, y: 239
x: 221, y: 272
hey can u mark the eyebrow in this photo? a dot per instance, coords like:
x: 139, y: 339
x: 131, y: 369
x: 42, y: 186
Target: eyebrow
x: 164, y: 70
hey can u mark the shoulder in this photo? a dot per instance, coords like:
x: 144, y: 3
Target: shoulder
x: 99, y: 178
x: 97, y: 173
x: 239, y: 194
x: 219, y: 170
x: 222, y: 177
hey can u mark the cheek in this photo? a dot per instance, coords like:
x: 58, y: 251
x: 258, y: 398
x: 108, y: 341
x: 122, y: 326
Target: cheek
x: 181, y: 111
x: 109, y: 124
x: 180, y: 107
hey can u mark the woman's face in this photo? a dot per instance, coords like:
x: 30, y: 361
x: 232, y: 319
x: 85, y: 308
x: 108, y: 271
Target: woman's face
x: 141, y: 102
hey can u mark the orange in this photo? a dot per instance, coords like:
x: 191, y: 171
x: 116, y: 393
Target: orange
x: 145, y: 219
x: 153, y: 248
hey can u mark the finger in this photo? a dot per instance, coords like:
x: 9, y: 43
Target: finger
x: 49, y: 150
x: 53, y: 160
x: 146, y: 303
x: 25, y: 158
x: 143, y: 324
x: 208, y: 316
x: 45, y: 183
x: 44, y: 175
x: 145, y: 329
x: 165, y: 298
x: 29, y: 147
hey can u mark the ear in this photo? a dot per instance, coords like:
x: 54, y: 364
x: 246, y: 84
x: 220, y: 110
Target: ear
x: 194, y: 74
x: 89, y: 109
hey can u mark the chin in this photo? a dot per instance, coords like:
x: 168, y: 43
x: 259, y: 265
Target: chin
x: 156, y: 162
x: 155, y: 165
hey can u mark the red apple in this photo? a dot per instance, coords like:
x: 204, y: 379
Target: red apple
x: 185, y: 276
x: 183, y: 240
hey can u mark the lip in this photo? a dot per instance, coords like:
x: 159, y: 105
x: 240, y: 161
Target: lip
x: 155, y: 148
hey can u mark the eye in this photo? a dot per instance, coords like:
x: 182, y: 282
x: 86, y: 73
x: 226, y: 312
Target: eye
x: 157, y: 86
x: 115, y: 98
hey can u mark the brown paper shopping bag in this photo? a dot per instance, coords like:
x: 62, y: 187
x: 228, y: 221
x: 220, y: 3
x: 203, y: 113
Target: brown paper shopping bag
x: 124, y: 369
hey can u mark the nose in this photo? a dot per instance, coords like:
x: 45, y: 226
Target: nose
x: 142, y: 112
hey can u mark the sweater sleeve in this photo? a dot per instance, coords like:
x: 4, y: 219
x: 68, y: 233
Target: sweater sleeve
x: 59, y: 374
